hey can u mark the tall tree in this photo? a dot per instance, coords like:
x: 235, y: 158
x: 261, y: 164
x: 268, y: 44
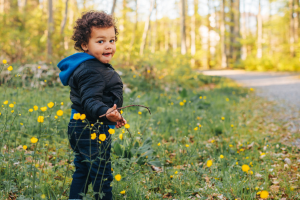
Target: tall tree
x: 291, y: 28
x: 222, y: 29
x: 208, y: 54
x: 63, y: 22
x: 154, y: 31
x: 237, y: 48
x: 244, y: 32
x: 133, y: 32
x: 296, y: 21
x: 50, y: 30
x: 182, y: 27
x: 146, y: 28
x: 193, y: 28
x: 259, y: 32
x: 113, y: 7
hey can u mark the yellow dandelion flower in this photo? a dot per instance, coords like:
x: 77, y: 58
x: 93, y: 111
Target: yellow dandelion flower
x: 92, y: 124
x: 35, y: 107
x: 118, y: 177
x: 21, y: 124
x: 264, y: 194
x: 43, y: 196
x: 184, y: 101
x: 212, y: 141
x: 196, y: 128
x: 50, y: 105
x: 256, y: 188
x: 181, y: 103
x: 112, y: 169
x: 43, y: 109
x: 232, y: 125
x: 139, y: 96
x: 10, y: 68
x: 251, y: 89
x: 24, y: 147
x: 204, y: 97
x: 262, y: 154
x: 30, y: 110
x: 60, y: 113
x: 76, y: 116
x: 93, y: 136
x: 221, y: 156
x: 121, y: 112
x: 237, y: 163
x: 230, y: 145
x: 171, y: 176
x: 39, y: 67
x: 139, y: 133
x: 82, y: 117
x: 187, y: 145
x: 45, y: 81
x: 55, y: 117
x: 121, y: 136
x: 111, y: 131
x: 36, y: 165
x: 209, y: 163
x: 139, y: 113
x: 227, y: 99
x: 12, y: 111
x: 223, y: 118
x: 127, y: 126
x: 200, y: 97
x: 102, y: 137
x: 4, y: 61
x: 122, y: 192
x: 176, y: 172
x: 62, y: 103
x: 241, y: 149
x: 5, y: 102
x: 34, y: 140
x: 250, y: 172
x: 200, y: 125
x: 245, y: 168
x: 11, y: 105
x: 158, y: 144
x: 40, y: 119
x: 172, y: 103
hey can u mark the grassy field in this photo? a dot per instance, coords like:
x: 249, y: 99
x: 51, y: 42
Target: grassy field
x: 206, y: 138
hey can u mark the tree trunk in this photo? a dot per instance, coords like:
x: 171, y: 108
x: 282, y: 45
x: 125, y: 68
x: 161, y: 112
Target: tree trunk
x: 123, y: 21
x: 133, y: 34
x: 237, y: 48
x: 113, y: 7
x: 193, y: 29
x: 291, y: 31
x: 259, y: 32
x: 208, y: 54
x: 232, y: 33
x: 50, y: 30
x: 154, y: 31
x: 63, y: 23
x: 222, y: 29
x: 166, y: 38
x: 182, y: 28
x: 296, y: 22
x: 244, y: 34
x: 146, y: 28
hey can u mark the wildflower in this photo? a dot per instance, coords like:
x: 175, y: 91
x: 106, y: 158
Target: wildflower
x: 221, y: 156
x: 200, y: 97
x: 60, y: 113
x: 187, y: 145
x: 62, y: 103
x: 39, y: 67
x: 171, y: 176
x: 43, y: 196
x: 36, y: 165
x: 245, y: 168
x: 121, y: 111
x: 5, y: 102
x: 111, y: 131
x: 256, y: 188
x: 230, y: 145
x: 21, y: 124
x: 10, y: 68
x: 227, y: 99
x: 50, y: 105
x: 40, y: 119
x: 223, y: 118
x: 200, y: 125
x: 121, y: 136
x: 250, y: 172
x: 112, y: 169
x: 172, y: 103
x: 209, y: 163
x: 76, y: 116
x: 127, y: 126
x: 158, y: 144
x: 43, y: 109
x: 118, y: 177
x: 232, y: 125
x: 181, y: 103
x: 55, y: 117
x: 139, y: 96
x: 241, y: 149
x: 12, y: 111
x: 251, y: 89
x: 122, y: 192
x: 237, y: 163
x: 184, y: 101
x: 247, y: 157
x: 196, y: 128
x: 139, y: 133
x: 11, y: 105
x: 212, y: 141
x: 45, y: 81
x: 262, y: 154
x: 35, y: 107
x: 102, y: 137
x: 33, y: 140
x: 92, y: 124
x: 93, y: 136
x: 139, y: 113
x: 82, y: 117
x: 4, y: 61
x: 204, y: 97
x: 24, y: 147
x: 264, y: 194
x: 0, y: 113
x: 176, y: 172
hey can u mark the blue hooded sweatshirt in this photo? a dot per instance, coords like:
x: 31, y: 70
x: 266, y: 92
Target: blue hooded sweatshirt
x: 67, y: 67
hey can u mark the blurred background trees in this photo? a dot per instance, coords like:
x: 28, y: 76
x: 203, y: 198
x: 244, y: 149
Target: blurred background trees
x: 205, y: 34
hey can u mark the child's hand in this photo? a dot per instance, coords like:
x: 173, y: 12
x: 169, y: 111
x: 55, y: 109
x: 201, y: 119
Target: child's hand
x: 121, y: 123
x: 113, y: 116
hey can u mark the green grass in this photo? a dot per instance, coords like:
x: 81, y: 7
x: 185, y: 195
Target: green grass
x: 167, y: 155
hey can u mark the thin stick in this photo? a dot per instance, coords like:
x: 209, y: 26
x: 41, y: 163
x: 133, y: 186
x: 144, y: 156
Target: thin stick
x: 126, y: 107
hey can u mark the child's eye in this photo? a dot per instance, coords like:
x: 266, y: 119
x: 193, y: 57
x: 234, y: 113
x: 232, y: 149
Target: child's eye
x: 101, y: 41
x: 112, y: 41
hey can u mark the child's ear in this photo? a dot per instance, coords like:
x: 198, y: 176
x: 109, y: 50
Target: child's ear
x: 84, y: 47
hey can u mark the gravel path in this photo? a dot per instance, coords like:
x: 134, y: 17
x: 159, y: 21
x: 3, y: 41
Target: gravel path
x: 283, y: 88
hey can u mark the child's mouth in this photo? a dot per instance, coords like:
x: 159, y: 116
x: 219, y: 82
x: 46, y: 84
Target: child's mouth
x: 107, y: 54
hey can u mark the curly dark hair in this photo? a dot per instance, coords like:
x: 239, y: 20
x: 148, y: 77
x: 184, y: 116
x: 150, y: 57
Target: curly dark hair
x: 83, y: 26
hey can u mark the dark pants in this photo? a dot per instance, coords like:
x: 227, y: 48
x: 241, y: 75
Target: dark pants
x: 92, y: 160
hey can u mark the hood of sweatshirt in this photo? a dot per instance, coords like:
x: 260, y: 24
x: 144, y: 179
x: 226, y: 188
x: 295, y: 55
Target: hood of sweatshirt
x: 69, y: 64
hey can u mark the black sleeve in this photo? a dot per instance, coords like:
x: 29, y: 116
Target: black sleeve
x: 91, y: 85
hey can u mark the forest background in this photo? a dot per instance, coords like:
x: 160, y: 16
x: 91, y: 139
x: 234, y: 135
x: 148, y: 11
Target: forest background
x: 206, y: 34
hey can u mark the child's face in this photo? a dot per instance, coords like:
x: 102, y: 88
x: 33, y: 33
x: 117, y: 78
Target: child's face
x: 101, y: 44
